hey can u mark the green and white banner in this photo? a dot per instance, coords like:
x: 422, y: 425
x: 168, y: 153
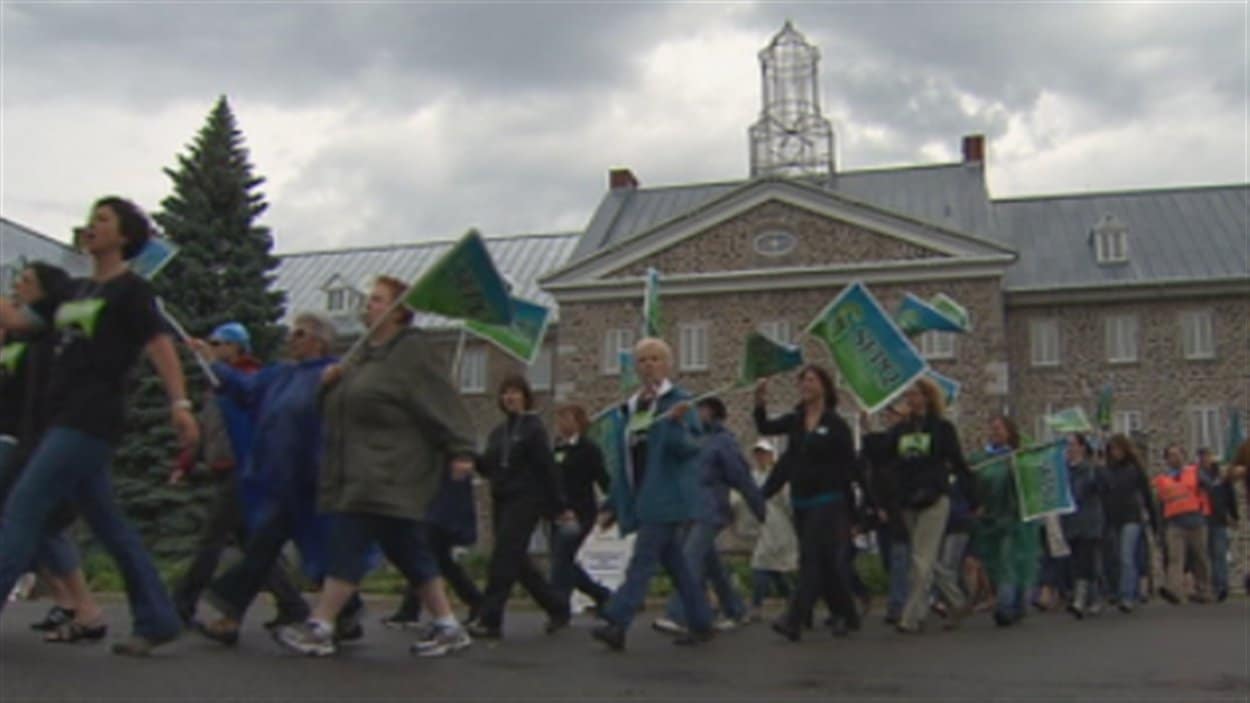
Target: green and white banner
x: 524, y: 337
x: 1042, y: 484
x: 873, y: 355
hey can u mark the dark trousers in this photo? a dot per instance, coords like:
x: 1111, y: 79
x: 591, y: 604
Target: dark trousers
x: 566, y: 574
x: 440, y: 543
x: 765, y: 582
x: 233, y: 592
x: 824, y: 533
x: 225, y: 524
x: 1085, y: 558
x: 515, y: 518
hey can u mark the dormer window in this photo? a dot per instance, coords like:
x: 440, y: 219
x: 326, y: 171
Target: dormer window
x: 342, y: 298
x: 1110, y: 240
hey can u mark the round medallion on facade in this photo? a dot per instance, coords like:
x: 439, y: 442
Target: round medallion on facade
x: 775, y: 242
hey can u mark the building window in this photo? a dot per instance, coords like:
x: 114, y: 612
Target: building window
x: 777, y: 330
x: 1204, y: 428
x: 1121, y: 338
x: 1110, y: 238
x: 693, y: 343
x: 473, y: 370
x: 1198, y: 334
x: 937, y: 345
x: 539, y: 372
x: 1126, y: 422
x: 1044, y: 342
x: 614, y: 342
x: 340, y: 300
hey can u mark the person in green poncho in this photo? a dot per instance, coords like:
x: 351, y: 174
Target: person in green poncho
x: 1008, y: 545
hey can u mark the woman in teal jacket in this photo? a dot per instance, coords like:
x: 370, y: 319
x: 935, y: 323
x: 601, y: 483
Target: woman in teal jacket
x: 655, y: 493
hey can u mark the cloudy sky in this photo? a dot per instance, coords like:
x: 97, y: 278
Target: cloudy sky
x: 390, y: 122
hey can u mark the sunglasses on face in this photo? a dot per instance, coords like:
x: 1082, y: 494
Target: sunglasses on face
x: 215, y: 342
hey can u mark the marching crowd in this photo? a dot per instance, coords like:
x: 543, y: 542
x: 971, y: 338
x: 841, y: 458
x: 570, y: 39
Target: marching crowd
x: 373, y: 456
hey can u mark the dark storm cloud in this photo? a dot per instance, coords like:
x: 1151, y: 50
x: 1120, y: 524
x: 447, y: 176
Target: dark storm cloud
x: 396, y: 55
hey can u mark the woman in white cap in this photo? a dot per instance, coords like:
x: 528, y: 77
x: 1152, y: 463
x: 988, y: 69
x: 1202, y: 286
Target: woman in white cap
x: 775, y: 557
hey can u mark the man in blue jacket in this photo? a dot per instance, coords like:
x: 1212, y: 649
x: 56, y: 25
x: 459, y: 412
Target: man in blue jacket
x: 723, y: 467
x: 655, y: 493
x: 227, y: 441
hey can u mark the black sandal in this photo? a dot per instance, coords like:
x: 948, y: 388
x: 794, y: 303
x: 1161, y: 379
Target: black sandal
x: 73, y: 631
x: 56, y: 617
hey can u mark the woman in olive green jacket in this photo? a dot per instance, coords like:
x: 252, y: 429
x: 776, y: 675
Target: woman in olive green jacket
x: 393, y: 425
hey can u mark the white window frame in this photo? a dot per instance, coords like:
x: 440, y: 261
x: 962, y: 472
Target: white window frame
x: 692, y: 347
x: 1121, y: 338
x: 1042, y: 431
x: 779, y: 331
x: 472, y: 370
x: 1198, y: 334
x: 936, y: 344
x: 1045, y: 343
x: 615, y: 341
x: 1126, y: 422
x: 542, y: 370
x: 336, y: 300
x: 1205, y: 428
x: 1111, y: 246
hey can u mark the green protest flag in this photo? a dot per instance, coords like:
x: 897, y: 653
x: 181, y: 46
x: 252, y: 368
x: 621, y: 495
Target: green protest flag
x: 1234, y: 436
x: 524, y: 337
x: 607, y: 431
x: 1042, y: 485
x: 652, y: 319
x: 872, y: 354
x: 953, y: 310
x: 1070, y: 420
x: 764, y: 357
x: 464, y: 284
x: 629, y: 373
x: 1103, y: 414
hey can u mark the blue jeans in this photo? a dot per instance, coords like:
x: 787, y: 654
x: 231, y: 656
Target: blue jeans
x: 658, y: 544
x: 766, y: 581
x: 900, y: 560
x: 699, y: 548
x: 1129, y: 535
x: 57, y: 553
x: 69, y: 463
x: 1217, y: 547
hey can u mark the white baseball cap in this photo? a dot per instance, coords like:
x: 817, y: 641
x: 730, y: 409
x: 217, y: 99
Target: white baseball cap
x: 764, y: 445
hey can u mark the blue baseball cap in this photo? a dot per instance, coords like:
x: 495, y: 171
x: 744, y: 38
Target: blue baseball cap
x: 233, y: 333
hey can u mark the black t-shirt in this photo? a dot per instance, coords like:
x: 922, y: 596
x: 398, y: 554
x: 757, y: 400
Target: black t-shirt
x: 25, y: 360
x: 100, y: 331
x: 12, y: 389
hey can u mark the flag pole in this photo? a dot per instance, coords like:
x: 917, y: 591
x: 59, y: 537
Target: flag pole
x: 186, y: 339
x: 455, y: 360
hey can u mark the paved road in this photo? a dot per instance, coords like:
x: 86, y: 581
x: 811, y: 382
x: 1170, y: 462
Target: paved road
x: 1162, y: 653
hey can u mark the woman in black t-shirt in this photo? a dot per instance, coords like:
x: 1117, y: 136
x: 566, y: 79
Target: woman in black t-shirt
x: 107, y: 320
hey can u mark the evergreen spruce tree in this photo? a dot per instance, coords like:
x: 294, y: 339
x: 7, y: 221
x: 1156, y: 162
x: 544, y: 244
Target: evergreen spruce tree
x: 223, y: 272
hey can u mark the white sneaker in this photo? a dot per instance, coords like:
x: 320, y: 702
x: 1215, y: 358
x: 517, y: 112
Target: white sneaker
x: 442, y: 641
x: 307, y: 639
x: 731, y: 624
x: 667, y: 626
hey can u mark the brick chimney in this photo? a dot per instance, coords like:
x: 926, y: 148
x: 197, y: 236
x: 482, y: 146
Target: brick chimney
x: 974, y: 149
x: 622, y: 179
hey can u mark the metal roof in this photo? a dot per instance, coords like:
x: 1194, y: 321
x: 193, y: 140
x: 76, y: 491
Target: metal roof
x: 19, y: 243
x: 521, y: 259
x: 1184, y: 234
x: 952, y: 196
